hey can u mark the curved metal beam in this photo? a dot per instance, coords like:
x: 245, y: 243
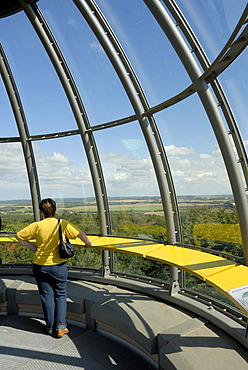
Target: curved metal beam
x: 204, y: 92
x: 125, y: 72
x: 10, y: 7
x: 22, y: 126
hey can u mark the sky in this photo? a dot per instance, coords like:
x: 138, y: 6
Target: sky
x: 187, y: 136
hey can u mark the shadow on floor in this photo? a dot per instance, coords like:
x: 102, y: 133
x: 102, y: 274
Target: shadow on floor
x: 25, y: 345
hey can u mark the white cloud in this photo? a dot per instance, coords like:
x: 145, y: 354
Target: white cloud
x: 120, y: 176
x: 205, y: 175
x: 124, y: 175
x: 195, y: 173
x: 56, y: 174
x: 182, y: 161
x: 97, y: 47
x: 217, y: 151
x: 205, y: 156
x: 58, y: 157
x: 183, y: 150
x: 72, y: 22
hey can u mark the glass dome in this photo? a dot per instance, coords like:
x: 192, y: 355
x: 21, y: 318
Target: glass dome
x: 132, y: 116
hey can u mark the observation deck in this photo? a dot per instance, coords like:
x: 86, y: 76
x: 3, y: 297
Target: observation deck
x: 106, y: 100
x: 115, y: 321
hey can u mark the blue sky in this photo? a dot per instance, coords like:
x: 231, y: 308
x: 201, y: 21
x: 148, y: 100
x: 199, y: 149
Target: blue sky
x: 187, y: 136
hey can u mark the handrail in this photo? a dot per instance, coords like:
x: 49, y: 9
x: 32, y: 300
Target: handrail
x: 238, y: 259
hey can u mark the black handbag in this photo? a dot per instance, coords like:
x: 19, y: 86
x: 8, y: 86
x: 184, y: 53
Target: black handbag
x: 66, y: 249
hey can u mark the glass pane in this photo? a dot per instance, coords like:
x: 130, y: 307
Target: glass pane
x: 128, y: 264
x: 15, y: 205
x: 62, y: 168
x: 212, y: 21
x: 44, y: 101
x: 64, y: 176
x: 13, y: 174
x: 206, y: 203
x: 135, y: 206
x: 131, y: 184
x: 101, y: 91
x: 8, y: 126
x: 154, y: 60
x: 200, y: 286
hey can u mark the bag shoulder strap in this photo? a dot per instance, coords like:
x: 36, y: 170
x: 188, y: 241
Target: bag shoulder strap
x: 60, y: 230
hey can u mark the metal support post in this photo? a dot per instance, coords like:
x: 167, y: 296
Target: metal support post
x: 15, y: 101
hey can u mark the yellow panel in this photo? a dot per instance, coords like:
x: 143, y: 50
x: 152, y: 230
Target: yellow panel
x: 230, y: 279
x: 78, y: 242
x: 132, y: 246
x: 195, y: 262
x: 222, y: 274
x: 5, y: 239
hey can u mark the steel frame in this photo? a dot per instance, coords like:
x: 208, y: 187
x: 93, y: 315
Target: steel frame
x: 143, y: 112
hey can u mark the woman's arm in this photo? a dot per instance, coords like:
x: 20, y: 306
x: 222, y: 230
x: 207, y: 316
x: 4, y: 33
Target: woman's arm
x: 27, y: 244
x: 84, y: 239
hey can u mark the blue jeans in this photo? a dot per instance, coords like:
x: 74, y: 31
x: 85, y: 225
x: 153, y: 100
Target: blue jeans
x: 51, y: 282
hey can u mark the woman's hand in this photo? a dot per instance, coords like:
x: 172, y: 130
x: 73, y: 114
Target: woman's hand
x: 89, y: 244
x: 84, y: 239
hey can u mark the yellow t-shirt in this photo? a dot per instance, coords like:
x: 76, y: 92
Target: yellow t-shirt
x: 46, y: 235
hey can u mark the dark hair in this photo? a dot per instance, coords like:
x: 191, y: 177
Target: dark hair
x: 48, y: 207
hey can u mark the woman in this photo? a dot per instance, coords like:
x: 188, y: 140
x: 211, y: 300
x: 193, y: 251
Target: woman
x: 49, y: 269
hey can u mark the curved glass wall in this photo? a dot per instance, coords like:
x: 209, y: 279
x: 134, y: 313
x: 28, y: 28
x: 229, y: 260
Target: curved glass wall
x: 157, y: 67
x: 130, y: 177
x: 136, y: 147
x: 14, y: 181
x: 8, y: 126
x: 62, y: 161
x: 45, y: 104
x: 96, y: 80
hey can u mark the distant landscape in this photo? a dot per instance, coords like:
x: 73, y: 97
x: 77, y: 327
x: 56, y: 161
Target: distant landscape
x: 140, y: 204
